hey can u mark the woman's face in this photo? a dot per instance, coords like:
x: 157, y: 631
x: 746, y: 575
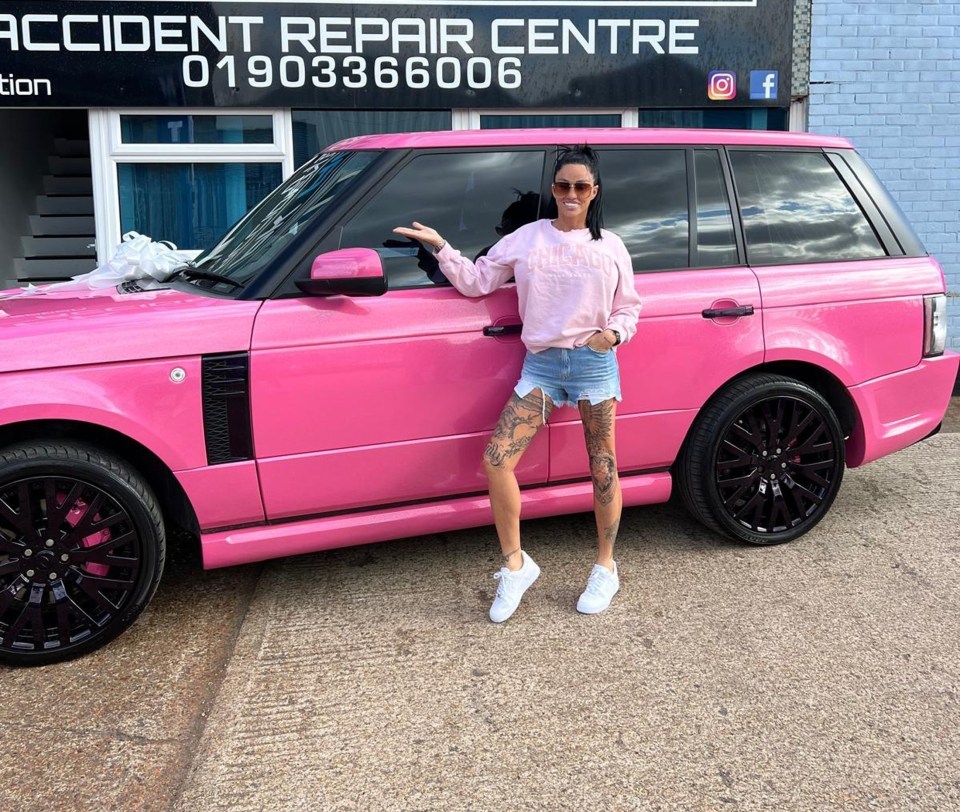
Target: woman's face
x: 573, y: 189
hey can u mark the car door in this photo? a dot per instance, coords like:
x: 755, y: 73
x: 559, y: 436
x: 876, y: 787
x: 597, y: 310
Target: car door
x: 700, y: 321
x: 367, y: 402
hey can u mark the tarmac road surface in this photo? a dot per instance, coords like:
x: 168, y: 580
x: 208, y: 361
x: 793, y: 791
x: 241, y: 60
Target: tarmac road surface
x: 822, y: 674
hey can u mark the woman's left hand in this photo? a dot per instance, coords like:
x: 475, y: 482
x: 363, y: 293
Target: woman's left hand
x: 601, y: 341
x: 422, y: 233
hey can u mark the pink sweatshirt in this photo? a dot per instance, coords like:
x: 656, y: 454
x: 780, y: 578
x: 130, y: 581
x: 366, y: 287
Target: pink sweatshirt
x: 569, y: 286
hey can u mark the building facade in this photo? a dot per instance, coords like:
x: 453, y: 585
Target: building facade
x: 172, y: 118
x: 887, y: 76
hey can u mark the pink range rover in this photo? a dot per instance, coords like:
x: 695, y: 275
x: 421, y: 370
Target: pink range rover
x: 311, y: 381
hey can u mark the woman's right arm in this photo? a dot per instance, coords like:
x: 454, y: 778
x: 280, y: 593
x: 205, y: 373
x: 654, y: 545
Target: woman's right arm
x: 470, y: 278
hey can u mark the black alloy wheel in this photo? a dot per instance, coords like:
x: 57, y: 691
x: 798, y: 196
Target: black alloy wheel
x: 764, y: 460
x: 82, y: 548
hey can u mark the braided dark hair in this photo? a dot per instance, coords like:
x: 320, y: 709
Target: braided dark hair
x: 583, y: 155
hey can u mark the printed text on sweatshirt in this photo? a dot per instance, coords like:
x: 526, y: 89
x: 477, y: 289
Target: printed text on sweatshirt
x: 568, y: 285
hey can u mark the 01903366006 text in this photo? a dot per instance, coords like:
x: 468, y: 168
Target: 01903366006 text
x: 324, y: 71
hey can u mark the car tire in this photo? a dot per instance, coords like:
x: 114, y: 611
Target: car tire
x: 763, y: 461
x: 82, y: 548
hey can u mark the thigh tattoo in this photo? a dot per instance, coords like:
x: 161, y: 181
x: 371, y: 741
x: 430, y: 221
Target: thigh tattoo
x: 519, y: 423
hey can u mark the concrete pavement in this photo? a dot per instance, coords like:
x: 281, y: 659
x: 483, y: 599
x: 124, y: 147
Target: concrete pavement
x: 821, y: 674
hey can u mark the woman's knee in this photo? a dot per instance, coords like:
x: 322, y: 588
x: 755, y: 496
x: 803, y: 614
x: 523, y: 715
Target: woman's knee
x: 497, y: 460
x: 603, y: 470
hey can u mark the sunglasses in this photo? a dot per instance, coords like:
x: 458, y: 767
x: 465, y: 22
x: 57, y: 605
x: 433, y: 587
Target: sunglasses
x: 581, y: 187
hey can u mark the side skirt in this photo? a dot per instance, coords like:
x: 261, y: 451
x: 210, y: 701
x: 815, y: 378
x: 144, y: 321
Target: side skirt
x: 245, y: 545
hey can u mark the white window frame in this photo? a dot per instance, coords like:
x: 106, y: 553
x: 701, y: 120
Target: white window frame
x: 469, y: 118
x: 107, y: 152
x: 799, y: 115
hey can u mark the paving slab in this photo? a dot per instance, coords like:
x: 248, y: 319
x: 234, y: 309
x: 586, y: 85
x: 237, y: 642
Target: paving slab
x: 116, y: 730
x: 817, y: 675
x: 951, y: 421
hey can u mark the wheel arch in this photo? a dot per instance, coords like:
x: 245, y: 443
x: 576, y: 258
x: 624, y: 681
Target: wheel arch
x: 830, y: 387
x: 173, y: 500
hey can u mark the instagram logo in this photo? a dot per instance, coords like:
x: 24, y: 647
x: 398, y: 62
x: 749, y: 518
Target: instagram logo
x: 721, y: 85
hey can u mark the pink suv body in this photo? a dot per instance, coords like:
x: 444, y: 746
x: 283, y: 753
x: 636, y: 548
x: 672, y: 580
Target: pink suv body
x: 310, y: 383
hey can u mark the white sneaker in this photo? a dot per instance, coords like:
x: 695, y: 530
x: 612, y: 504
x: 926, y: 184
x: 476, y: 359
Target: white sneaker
x: 601, y: 587
x: 511, y: 588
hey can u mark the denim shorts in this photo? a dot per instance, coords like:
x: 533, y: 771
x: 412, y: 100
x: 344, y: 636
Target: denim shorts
x: 569, y: 376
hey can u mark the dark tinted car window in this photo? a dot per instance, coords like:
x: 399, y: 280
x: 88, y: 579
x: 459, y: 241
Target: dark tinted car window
x: 472, y: 199
x: 716, y: 242
x: 910, y: 243
x: 279, y: 220
x: 795, y: 209
x: 645, y: 204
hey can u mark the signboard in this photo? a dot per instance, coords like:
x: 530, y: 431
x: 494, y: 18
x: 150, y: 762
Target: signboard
x: 391, y: 54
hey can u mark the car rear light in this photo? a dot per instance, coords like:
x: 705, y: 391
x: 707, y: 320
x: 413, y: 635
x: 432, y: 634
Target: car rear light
x: 934, y: 324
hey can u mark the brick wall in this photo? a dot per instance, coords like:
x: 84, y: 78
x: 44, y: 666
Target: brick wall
x: 887, y: 76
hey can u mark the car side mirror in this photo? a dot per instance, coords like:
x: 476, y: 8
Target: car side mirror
x: 347, y: 272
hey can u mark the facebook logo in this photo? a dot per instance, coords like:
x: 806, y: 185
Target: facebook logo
x: 763, y: 84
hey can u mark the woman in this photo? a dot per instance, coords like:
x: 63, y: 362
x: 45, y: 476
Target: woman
x: 577, y: 302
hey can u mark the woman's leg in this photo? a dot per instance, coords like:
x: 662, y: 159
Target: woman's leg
x: 598, y: 430
x: 519, y: 423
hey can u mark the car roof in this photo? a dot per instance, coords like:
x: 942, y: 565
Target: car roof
x: 592, y: 136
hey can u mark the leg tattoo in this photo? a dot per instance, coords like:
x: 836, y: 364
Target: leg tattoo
x: 610, y: 533
x: 598, y: 431
x: 603, y: 469
x: 519, y: 423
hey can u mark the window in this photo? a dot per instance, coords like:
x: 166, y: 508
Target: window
x: 719, y: 118
x: 796, y: 209
x: 904, y: 235
x: 190, y: 205
x: 540, y: 121
x: 645, y: 204
x: 716, y: 243
x: 184, y: 176
x: 538, y: 118
x: 188, y: 128
x: 314, y: 130
x: 472, y: 199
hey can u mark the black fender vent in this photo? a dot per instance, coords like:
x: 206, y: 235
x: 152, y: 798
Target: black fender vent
x: 226, y: 407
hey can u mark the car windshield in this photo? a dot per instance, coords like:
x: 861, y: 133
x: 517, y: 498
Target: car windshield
x: 267, y: 229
